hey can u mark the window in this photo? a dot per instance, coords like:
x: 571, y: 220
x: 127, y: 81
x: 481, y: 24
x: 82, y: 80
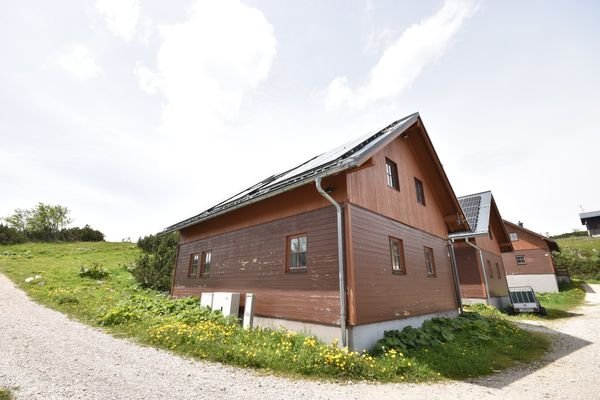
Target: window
x: 206, y: 259
x: 397, y: 252
x: 513, y: 236
x: 429, y: 261
x: 420, y: 191
x: 296, y: 253
x: 521, y: 260
x: 490, y: 268
x: 193, y: 268
x: 391, y: 170
x: 498, y: 271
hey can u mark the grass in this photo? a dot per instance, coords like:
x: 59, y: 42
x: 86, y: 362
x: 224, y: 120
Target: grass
x: 6, y: 394
x: 52, y: 274
x: 559, y: 305
x: 584, y: 243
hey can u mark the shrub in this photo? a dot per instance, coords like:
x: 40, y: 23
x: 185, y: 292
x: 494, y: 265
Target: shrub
x: 581, y: 264
x: 9, y: 235
x: 93, y: 271
x: 154, y: 268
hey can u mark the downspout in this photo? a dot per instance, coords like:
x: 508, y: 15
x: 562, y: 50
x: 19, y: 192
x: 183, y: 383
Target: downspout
x: 455, y: 273
x: 487, y: 286
x: 340, y: 239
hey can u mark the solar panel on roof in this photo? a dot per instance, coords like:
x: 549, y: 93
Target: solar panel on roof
x: 470, y: 206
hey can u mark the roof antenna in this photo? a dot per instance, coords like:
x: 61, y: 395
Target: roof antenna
x: 580, y: 207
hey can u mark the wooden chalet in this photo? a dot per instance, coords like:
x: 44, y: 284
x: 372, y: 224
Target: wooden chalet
x: 591, y: 220
x: 479, y: 252
x: 349, y: 244
x: 531, y: 263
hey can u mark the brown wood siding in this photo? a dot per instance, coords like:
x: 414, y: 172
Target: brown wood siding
x: 252, y: 259
x: 300, y: 200
x: 538, y: 261
x: 381, y: 295
x: 368, y: 188
x: 527, y: 241
x: 472, y: 281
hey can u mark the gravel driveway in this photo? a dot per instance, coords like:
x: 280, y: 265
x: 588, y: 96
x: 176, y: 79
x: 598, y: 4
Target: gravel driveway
x: 45, y: 355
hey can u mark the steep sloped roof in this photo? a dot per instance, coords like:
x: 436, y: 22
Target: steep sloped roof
x: 349, y: 155
x: 590, y: 214
x: 551, y: 243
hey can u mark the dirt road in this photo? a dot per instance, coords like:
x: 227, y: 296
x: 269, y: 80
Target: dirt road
x: 45, y: 355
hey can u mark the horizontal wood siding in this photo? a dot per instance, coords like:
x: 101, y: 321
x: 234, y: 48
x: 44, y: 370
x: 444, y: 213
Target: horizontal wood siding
x: 252, y: 259
x: 497, y: 284
x: 380, y: 295
x: 368, y: 187
x: 538, y: 261
x: 302, y: 199
x: 471, y: 281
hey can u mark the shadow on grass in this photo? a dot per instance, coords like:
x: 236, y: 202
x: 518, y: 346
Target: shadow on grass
x: 562, y: 345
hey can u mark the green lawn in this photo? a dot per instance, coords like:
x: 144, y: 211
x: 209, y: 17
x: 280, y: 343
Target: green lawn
x: 50, y: 274
x: 586, y: 244
x: 559, y: 305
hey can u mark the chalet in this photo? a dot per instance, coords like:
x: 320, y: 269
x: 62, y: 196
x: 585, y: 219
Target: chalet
x: 591, y: 220
x: 349, y: 244
x: 479, y: 252
x: 531, y: 263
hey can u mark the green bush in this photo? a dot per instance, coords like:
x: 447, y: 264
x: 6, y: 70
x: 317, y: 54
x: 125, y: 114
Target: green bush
x: 9, y: 235
x: 93, y: 271
x: 154, y: 268
x: 582, y: 264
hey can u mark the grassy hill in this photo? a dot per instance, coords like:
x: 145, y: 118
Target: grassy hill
x: 581, y: 255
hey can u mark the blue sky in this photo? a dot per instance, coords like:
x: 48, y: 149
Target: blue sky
x: 137, y: 114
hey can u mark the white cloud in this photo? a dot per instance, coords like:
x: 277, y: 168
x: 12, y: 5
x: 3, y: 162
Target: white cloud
x: 207, y: 63
x: 120, y: 16
x: 78, y: 60
x: 403, y: 60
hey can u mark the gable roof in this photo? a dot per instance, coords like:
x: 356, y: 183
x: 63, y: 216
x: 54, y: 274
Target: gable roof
x: 351, y: 154
x: 551, y: 243
x: 587, y: 215
x: 479, y: 209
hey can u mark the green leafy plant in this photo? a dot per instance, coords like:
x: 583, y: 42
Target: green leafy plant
x: 93, y: 271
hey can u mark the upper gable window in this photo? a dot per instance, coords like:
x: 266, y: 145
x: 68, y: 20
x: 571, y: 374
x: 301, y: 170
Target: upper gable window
x: 520, y: 259
x: 420, y: 191
x: 513, y: 236
x: 296, y: 252
x: 391, y: 170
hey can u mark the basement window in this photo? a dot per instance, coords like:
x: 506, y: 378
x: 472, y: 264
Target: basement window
x: 296, y: 253
x: 206, y: 260
x: 429, y: 261
x: 391, y: 170
x: 420, y: 191
x: 193, y: 268
x: 521, y: 260
x: 513, y: 236
x: 397, y: 253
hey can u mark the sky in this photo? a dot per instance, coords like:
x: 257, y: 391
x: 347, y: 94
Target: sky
x: 138, y: 114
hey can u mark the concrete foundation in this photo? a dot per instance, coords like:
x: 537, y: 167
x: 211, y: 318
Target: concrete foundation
x: 541, y: 283
x: 497, y: 301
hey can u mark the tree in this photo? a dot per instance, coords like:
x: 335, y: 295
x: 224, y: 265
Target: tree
x: 154, y: 268
x: 48, y: 219
x: 18, y: 220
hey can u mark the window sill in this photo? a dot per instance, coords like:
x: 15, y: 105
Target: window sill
x: 432, y: 275
x: 395, y: 272
x: 296, y: 270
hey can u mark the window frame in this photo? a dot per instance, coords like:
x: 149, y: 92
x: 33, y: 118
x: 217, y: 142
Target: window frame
x: 193, y: 257
x: 523, y: 257
x: 288, y: 253
x: 429, y: 259
x: 401, y: 259
x: 489, y: 263
x: 516, y: 236
x: 391, y: 174
x: 202, y: 271
x: 498, y: 271
x: 420, y: 192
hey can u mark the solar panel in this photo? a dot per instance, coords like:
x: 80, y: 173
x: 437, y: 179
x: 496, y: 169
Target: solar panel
x: 470, y: 206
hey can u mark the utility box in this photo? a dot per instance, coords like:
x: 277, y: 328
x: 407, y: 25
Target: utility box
x: 249, y: 311
x: 206, y: 300
x: 227, y: 303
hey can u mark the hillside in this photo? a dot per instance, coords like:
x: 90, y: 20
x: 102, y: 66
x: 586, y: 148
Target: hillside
x: 581, y: 255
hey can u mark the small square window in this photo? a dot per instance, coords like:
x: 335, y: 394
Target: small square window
x: 397, y: 253
x: 206, y: 261
x: 520, y: 260
x: 513, y: 236
x: 420, y: 191
x: 391, y: 170
x: 429, y: 261
x: 193, y: 267
x: 296, y: 253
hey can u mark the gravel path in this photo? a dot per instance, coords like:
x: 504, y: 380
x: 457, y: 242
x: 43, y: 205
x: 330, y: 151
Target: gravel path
x: 45, y: 355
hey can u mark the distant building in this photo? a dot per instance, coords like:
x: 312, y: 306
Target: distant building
x: 591, y: 220
x: 531, y: 263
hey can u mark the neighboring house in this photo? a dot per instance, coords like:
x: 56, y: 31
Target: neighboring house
x: 531, y: 263
x: 479, y: 252
x: 591, y: 220
x: 281, y: 240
